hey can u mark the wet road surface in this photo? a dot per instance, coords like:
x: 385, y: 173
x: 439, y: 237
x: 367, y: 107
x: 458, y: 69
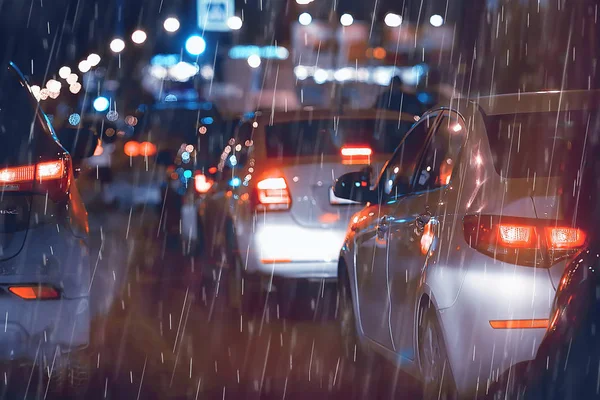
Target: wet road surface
x: 170, y: 334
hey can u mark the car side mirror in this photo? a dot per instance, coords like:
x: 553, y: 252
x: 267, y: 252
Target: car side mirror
x: 80, y: 143
x: 355, y: 186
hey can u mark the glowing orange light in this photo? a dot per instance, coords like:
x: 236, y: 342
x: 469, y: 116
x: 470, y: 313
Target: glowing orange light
x: 34, y: 292
x: 132, y: 149
x: 212, y: 170
x: 202, y: 184
x: 99, y: 150
x: 426, y: 239
x: 379, y: 53
x: 147, y: 149
x: 329, y: 218
x: 520, y: 324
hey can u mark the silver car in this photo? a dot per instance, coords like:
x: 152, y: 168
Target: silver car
x: 450, y: 269
x: 44, y: 258
x: 272, y: 216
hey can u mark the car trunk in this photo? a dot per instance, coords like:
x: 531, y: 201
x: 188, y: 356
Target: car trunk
x: 14, y: 222
x: 310, y: 184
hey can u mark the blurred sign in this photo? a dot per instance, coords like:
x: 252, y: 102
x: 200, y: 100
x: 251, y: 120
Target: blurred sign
x: 266, y: 52
x: 330, y: 45
x: 213, y: 14
x: 406, y: 38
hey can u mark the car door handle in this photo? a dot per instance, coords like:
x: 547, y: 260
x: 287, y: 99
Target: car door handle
x: 384, y: 224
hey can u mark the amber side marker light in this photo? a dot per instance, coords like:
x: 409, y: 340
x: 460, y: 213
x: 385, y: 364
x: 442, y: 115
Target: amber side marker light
x: 34, y: 292
x: 519, y: 324
x: 275, y: 261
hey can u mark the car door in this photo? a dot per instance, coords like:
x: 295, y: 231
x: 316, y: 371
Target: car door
x: 371, y: 241
x: 417, y: 219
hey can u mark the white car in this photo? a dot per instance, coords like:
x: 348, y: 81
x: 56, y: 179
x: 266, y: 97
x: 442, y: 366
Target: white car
x: 272, y: 216
x: 450, y: 269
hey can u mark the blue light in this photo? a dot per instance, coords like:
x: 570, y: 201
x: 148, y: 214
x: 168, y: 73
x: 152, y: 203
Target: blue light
x: 185, y: 155
x: 101, y: 104
x: 233, y: 160
x: 235, y: 182
x: 207, y: 120
x: 74, y: 119
x: 424, y: 97
x: 195, y: 45
x: 187, y: 174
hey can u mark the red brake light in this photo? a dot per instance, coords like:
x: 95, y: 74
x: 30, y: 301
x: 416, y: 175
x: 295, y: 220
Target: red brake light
x: 522, y: 241
x: 50, y: 170
x: 356, y: 151
x: 17, y: 174
x: 35, y: 292
x: 516, y: 236
x: 50, y: 177
x: 272, y: 194
x: 356, y: 155
x: 202, y: 184
x: 565, y: 238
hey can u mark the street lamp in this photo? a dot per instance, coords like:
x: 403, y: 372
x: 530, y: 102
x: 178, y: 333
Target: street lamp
x: 171, y: 24
x: 93, y: 59
x: 436, y: 20
x: 346, y: 20
x: 234, y: 23
x: 84, y: 66
x: 393, y: 20
x: 254, y: 61
x: 101, y: 104
x: 305, y: 19
x: 304, y: 2
x: 75, y: 87
x: 195, y: 45
x: 53, y: 85
x: 117, y: 45
x: 139, y: 36
x: 72, y: 78
x: 64, y: 72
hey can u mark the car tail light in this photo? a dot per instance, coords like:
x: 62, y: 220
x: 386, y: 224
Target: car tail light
x: 564, y: 237
x: 35, y: 292
x: 522, y: 241
x: 272, y: 194
x: 202, y: 183
x: 516, y: 236
x: 45, y: 177
x: 356, y: 155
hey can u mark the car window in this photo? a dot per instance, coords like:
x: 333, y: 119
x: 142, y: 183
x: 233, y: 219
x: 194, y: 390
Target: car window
x: 326, y: 137
x: 18, y: 122
x: 395, y: 178
x: 538, y: 144
x: 440, y: 156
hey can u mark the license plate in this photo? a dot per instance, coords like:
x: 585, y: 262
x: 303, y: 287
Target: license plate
x: 333, y: 199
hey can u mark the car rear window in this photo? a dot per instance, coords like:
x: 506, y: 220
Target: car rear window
x: 17, y: 118
x: 538, y: 144
x: 327, y: 136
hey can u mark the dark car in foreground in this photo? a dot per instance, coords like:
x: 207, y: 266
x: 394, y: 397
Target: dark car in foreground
x: 44, y: 258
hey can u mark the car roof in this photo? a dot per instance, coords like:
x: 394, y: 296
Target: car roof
x: 546, y: 101
x: 311, y: 114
